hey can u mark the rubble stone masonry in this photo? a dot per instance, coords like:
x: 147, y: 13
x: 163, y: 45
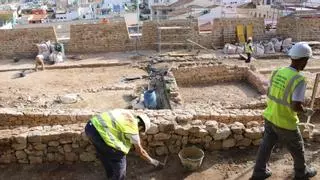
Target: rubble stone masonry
x: 90, y: 38
x: 300, y: 29
x: 224, y: 29
x: 21, y: 42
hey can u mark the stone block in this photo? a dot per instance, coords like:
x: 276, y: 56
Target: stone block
x: 35, y: 159
x: 19, y: 146
x: 67, y: 148
x: 256, y: 142
x: 207, y: 139
x: 194, y: 140
x: 253, y: 133
x: 174, y: 149
x: 156, y: 143
x: 34, y: 137
x: 71, y: 156
x: 50, y: 157
x: 213, y: 145
x: 223, y: 132
x: 87, y: 157
x: 212, y: 127
x: 21, y: 155
x: 166, y: 126
x: 237, y: 128
x: 163, y: 150
x: 252, y: 124
x: 182, y: 130
x: 53, y: 143
x: 228, y: 143
x: 244, y: 142
x: 40, y: 147
x: 184, y: 140
x: 201, y: 133
x: 238, y: 137
x: 161, y: 137
x: 153, y: 129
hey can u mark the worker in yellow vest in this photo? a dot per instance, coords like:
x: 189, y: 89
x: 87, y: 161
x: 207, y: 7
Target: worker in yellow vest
x: 285, y: 97
x: 248, y: 48
x: 113, y: 133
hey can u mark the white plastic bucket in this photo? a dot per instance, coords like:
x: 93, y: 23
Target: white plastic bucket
x: 191, y: 158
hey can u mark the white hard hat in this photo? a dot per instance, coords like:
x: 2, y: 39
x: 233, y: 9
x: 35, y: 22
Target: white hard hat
x: 249, y: 38
x: 300, y: 50
x: 146, y: 121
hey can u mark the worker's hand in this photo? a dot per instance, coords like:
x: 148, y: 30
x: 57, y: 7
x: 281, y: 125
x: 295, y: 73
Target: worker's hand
x: 155, y: 162
x: 308, y: 111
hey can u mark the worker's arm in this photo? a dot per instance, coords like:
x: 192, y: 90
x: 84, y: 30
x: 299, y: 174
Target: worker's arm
x: 298, y: 99
x: 135, y: 140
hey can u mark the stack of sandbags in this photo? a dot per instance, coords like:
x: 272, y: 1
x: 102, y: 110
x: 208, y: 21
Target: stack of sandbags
x: 269, y: 48
x: 229, y: 49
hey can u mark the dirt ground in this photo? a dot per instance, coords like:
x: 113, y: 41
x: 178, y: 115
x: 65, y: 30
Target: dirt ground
x: 41, y: 89
x: 226, y: 93
x: 233, y: 164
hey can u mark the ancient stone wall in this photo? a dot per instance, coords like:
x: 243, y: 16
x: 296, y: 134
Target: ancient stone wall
x: 224, y: 29
x: 150, y: 35
x: 210, y: 74
x: 301, y: 29
x: 90, y: 38
x: 63, y: 139
x: 21, y: 42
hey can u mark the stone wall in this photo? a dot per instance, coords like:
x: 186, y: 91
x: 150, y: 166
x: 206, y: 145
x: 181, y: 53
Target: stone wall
x: 209, y: 74
x: 224, y: 29
x: 64, y: 139
x: 301, y: 29
x: 91, y: 38
x: 21, y: 42
x: 150, y: 36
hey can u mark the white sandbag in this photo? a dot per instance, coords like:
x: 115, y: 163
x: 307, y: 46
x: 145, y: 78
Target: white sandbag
x: 258, y: 50
x: 269, y: 48
x: 229, y: 49
x: 277, y: 46
x: 274, y: 41
x: 56, y: 57
x: 287, y: 43
x: 240, y: 49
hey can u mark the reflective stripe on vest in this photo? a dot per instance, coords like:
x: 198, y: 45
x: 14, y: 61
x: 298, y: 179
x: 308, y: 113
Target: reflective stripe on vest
x: 284, y: 99
x: 112, y: 127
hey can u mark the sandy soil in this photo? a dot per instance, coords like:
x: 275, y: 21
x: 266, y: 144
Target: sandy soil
x: 41, y: 89
x: 218, y: 165
x: 226, y: 93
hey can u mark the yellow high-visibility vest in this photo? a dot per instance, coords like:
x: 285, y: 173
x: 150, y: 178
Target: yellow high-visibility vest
x: 247, y: 48
x: 112, y: 127
x: 282, y: 85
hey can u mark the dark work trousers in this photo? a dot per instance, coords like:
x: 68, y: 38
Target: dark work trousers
x: 114, y: 161
x: 248, y: 60
x: 290, y: 138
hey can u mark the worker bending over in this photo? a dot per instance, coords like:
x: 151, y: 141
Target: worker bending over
x: 248, y: 49
x: 112, y: 133
x: 285, y: 97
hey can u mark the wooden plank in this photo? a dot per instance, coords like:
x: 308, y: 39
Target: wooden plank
x: 197, y: 44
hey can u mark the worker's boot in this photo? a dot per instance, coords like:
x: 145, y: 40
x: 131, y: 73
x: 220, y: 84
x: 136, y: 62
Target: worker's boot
x: 308, y: 173
x: 267, y: 174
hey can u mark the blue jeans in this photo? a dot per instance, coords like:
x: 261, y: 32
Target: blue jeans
x: 290, y: 138
x: 114, y: 161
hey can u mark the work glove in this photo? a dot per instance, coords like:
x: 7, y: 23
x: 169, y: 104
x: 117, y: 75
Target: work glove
x: 308, y: 111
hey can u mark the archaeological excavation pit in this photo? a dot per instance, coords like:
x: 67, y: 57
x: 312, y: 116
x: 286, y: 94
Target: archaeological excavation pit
x: 96, y: 88
x: 213, y: 84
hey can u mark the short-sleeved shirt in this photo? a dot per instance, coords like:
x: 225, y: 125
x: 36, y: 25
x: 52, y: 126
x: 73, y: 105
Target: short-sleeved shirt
x: 299, y: 92
x: 134, y: 138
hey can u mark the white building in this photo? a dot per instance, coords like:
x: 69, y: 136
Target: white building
x: 67, y: 15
